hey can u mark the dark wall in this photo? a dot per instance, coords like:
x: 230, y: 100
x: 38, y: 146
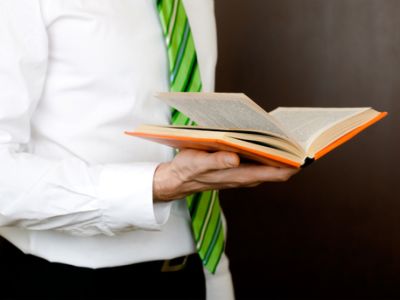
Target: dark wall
x: 334, y: 229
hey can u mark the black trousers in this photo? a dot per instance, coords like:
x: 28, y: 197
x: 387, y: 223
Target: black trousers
x: 29, y: 277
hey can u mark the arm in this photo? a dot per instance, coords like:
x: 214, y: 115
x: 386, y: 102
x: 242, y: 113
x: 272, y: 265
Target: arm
x: 68, y: 195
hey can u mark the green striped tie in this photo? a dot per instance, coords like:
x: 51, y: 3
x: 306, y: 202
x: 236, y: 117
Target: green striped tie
x: 184, y: 76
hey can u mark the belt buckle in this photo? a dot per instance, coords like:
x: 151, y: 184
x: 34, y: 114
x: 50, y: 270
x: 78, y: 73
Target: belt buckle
x: 170, y: 266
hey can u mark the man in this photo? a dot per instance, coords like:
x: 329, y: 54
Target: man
x: 94, y: 212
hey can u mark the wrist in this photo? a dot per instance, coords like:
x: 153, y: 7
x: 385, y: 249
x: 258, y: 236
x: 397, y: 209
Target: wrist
x: 165, y: 184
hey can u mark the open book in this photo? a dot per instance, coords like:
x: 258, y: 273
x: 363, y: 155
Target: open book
x: 293, y: 136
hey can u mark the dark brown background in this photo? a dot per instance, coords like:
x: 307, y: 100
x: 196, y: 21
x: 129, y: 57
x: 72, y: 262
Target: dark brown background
x: 333, y: 230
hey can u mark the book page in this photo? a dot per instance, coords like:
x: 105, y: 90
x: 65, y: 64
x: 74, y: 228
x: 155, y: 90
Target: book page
x: 306, y: 123
x: 223, y: 110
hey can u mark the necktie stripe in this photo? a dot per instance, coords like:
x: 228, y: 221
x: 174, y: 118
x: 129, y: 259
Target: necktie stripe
x: 165, y: 10
x: 216, y: 253
x: 181, y: 69
x: 199, y: 214
x: 184, y: 75
x: 171, y: 22
x: 175, y: 29
x: 180, y: 41
x: 214, y: 238
x: 192, y: 202
x: 195, y: 85
x: 184, y: 66
x: 175, y: 112
x: 180, y: 119
x: 182, y: 47
x: 204, y: 239
x: 187, y: 121
x: 200, y: 223
x: 189, y: 77
x: 203, y: 226
x: 208, y: 227
x: 171, y: 13
x: 193, y: 206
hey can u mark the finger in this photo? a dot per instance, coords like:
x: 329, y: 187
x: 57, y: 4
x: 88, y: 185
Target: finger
x: 247, y: 175
x: 222, y: 160
x: 202, y: 161
x: 266, y: 172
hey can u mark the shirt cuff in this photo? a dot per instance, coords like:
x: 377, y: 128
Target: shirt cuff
x: 126, y: 193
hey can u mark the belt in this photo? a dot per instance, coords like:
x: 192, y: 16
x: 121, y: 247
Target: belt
x: 176, y: 264
x: 10, y: 252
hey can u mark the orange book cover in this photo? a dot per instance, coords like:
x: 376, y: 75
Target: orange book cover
x: 207, y: 144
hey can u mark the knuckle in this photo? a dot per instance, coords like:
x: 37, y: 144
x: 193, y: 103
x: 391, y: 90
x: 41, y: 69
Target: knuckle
x: 226, y: 160
x: 215, y: 160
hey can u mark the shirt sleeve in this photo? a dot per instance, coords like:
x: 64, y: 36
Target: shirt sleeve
x: 67, y: 195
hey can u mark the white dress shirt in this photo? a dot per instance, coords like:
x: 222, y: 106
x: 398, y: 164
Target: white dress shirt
x: 74, y: 75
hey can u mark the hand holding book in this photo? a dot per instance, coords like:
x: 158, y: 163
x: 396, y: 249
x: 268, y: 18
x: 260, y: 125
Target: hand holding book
x: 195, y: 171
